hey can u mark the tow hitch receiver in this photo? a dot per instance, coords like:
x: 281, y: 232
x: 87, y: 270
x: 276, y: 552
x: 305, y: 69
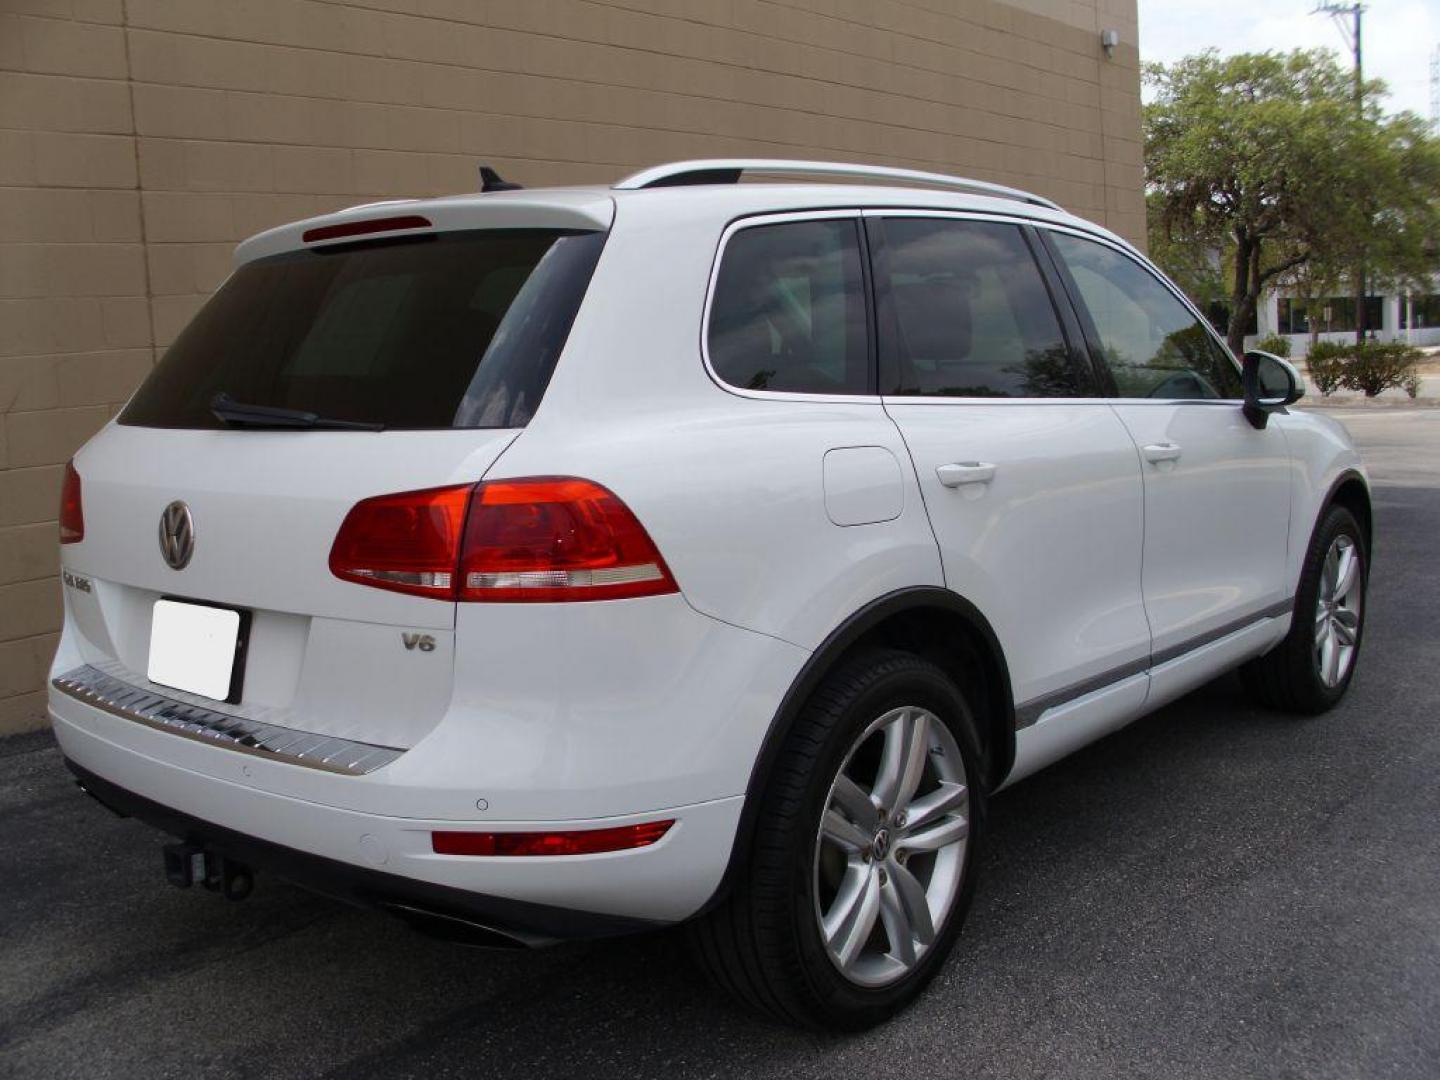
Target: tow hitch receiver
x: 188, y: 864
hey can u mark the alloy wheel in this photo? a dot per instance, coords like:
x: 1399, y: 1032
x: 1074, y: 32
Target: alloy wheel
x: 892, y: 846
x: 1337, y: 611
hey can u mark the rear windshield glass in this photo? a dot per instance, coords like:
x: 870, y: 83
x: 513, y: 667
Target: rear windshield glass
x: 458, y: 329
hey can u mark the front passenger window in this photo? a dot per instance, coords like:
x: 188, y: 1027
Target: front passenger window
x: 1152, y: 344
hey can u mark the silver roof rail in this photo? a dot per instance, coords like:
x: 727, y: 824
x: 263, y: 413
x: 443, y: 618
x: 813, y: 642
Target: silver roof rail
x: 728, y: 170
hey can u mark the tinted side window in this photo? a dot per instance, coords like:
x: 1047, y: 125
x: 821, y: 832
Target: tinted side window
x: 789, y: 309
x: 972, y: 315
x: 1152, y: 344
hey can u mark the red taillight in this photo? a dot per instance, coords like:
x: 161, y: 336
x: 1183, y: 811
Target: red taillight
x: 408, y: 542
x: 364, y: 228
x: 557, y: 538
x: 72, y: 512
x: 574, y: 842
x: 543, y: 539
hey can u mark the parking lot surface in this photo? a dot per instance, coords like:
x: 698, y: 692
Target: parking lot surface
x: 1213, y: 892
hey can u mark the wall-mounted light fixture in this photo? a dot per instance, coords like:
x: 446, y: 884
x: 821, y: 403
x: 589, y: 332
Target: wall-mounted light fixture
x: 1108, y: 40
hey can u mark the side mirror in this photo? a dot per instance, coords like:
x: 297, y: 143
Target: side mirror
x: 1271, y: 383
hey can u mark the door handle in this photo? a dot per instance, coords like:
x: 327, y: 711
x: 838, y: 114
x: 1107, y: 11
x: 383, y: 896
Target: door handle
x: 965, y: 472
x: 1155, y: 453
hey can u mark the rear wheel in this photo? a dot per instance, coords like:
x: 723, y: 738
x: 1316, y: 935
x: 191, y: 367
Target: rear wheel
x: 863, y: 861
x: 1311, y: 669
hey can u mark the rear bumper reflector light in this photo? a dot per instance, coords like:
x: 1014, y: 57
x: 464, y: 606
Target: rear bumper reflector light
x: 571, y: 842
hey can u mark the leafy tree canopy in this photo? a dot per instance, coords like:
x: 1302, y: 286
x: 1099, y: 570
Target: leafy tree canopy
x: 1260, y: 168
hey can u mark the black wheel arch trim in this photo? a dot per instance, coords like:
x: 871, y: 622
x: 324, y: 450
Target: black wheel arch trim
x: 820, y: 662
x: 1350, y: 476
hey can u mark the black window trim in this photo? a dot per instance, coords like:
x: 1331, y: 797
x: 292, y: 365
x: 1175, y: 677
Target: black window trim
x: 1092, y: 335
x: 1073, y: 316
x: 888, y: 331
x: 855, y: 216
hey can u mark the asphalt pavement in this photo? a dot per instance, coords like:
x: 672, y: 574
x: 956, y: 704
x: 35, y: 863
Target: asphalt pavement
x: 1215, y: 891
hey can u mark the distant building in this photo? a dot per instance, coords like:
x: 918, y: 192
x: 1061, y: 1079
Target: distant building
x: 1410, y: 318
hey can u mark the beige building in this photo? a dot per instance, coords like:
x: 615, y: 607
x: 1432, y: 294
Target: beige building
x: 140, y: 139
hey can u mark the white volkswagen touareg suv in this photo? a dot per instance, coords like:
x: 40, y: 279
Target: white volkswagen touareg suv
x: 546, y: 564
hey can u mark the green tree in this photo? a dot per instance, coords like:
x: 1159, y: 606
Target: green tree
x: 1264, y: 161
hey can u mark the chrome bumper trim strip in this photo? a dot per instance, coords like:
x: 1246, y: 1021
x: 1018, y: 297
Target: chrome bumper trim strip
x: 328, y: 753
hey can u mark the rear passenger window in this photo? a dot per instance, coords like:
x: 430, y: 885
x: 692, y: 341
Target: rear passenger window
x: 1152, y: 344
x: 789, y: 309
x: 973, y: 316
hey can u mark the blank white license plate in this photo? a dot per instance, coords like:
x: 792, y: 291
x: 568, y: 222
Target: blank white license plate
x: 192, y: 647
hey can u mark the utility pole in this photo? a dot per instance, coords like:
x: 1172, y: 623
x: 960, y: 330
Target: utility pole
x: 1353, y: 38
x: 1435, y: 91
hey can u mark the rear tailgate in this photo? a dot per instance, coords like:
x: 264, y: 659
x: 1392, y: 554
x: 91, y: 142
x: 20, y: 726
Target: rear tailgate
x: 323, y: 655
x: 319, y: 376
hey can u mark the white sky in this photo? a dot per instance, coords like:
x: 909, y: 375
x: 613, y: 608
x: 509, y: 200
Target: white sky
x: 1399, y: 36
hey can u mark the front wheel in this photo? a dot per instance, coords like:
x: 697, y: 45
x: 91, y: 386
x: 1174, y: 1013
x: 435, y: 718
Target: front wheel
x: 863, y: 862
x: 1310, y: 670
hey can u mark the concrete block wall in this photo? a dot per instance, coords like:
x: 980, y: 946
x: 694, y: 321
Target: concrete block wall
x: 141, y: 139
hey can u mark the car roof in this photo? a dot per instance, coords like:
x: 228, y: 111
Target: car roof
x: 596, y: 207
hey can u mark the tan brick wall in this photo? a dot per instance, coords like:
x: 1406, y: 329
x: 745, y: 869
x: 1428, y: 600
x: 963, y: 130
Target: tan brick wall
x: 140, y: 139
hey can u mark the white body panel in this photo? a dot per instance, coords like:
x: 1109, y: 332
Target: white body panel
x: 729, y: 485
x: 1217, y: 516
x: 266, y: 507
x: 1171, y: 679
x: 631, y: 706
x: 780, y: 517
x: 1065, y: 728
x: 1050, y: 547
x: 664, y: 882
x: 1320, y: 454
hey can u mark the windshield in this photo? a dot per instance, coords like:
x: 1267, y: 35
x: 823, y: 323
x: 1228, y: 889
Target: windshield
x: 457, y: 329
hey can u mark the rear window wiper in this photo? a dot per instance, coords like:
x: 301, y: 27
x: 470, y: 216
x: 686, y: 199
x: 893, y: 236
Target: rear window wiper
x: 241, y: 414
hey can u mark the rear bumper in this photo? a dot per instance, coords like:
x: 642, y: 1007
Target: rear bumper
x: 468, y: 916
x: 381, y: 859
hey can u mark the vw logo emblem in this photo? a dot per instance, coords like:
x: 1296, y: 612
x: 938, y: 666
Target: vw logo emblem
x: 177, y: 535
x: 880, y: 846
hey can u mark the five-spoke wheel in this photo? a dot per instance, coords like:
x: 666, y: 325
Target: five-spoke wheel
x: 1337, y: 611
x: 864, y: 854
x: 1310, y: 670
x: 892, y: 846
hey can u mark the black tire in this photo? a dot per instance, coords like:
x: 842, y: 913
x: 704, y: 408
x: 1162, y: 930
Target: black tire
x: 762, y: 943
x: 1287, y: 678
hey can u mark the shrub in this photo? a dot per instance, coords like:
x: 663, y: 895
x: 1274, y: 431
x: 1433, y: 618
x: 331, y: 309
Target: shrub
x: 1376, y: 366
x: 1326, y: 361
x: 1278, y: 344
x: 1411, y: 385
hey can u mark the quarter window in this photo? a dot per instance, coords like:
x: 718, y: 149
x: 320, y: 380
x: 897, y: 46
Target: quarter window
x: 1152, y: 344
x: 789, y: 309
x: 973, y: 317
